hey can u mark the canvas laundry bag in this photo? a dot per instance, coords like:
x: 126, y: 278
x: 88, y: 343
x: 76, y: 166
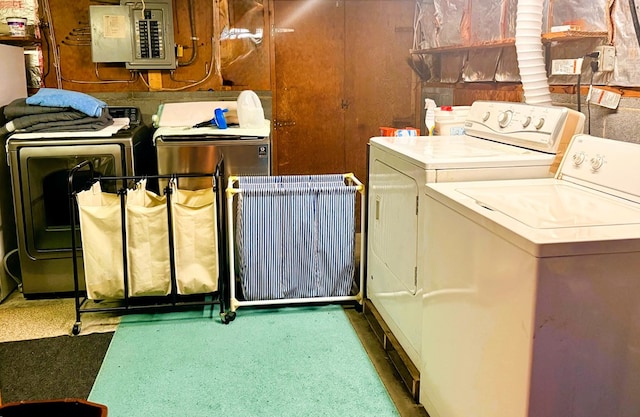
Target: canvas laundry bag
x: 195, y: 240
x: 101, y: 232
x: 147, y: 242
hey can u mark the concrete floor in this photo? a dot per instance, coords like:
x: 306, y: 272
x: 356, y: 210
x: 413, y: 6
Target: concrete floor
x: 400, y: 395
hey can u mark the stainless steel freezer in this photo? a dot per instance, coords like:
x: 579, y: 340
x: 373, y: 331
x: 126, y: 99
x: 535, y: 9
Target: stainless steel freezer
x: 183, y: 149
x: 187, y: 154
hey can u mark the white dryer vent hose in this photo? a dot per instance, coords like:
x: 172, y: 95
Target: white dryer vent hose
x: 533, y: 73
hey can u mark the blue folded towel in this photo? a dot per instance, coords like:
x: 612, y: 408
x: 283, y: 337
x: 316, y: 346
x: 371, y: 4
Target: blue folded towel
x: 54, y: 97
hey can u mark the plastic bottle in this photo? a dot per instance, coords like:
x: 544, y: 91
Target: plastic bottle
x: 430, y: 115
x: 250, y: 111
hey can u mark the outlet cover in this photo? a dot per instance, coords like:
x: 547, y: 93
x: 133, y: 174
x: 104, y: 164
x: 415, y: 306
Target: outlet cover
x: 606, y: 57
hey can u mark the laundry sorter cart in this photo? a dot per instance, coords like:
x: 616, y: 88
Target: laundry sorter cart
x: 142, y: 251
x: 294, y: 240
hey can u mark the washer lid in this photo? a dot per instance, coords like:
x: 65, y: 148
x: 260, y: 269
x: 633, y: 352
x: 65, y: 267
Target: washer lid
x: 446, y: 152
x: 555, y: 205
x: 545, y: 217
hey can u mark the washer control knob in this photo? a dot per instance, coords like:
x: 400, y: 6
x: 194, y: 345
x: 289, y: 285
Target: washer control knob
x: 486, y: 116
x: 526, y: 122
x: 596, y: 162
x: 539, y: 123
x: 578, y: 158
x: 504, y: 118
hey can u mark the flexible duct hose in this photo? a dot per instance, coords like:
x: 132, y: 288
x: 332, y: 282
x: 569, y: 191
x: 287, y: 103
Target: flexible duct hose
x: 533, y: 73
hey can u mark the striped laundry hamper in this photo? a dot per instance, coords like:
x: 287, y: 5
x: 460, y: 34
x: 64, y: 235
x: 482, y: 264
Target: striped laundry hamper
x: 295, y: 236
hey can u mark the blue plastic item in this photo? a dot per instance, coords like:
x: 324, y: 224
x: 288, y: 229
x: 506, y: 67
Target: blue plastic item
x: 218, y: 118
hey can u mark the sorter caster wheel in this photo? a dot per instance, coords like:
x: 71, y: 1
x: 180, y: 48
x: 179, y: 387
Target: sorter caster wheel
x: 359, y: 308
x: 231, y: 316
x: 76, y: 329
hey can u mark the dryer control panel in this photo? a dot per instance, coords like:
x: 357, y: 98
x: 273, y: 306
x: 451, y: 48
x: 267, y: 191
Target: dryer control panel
x: 540, y: 128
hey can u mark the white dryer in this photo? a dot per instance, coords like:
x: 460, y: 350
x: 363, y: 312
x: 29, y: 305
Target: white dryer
x: 531, y: 306
x: 502, y: 140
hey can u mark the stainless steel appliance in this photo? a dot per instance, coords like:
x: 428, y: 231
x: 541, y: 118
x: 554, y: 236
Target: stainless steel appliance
x: 183, y: 149
x: 39, y: 165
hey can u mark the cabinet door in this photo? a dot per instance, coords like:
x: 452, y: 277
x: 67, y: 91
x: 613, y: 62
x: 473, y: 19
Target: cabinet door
x: 340, y: 74
x: 308, y: 87
x: 378, y: 80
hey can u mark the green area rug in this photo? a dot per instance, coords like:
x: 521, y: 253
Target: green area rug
x: 296, y: 361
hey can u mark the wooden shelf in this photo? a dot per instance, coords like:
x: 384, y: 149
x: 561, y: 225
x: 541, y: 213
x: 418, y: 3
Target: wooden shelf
x: 19, y: 40
x: 572, y: 35
x: 546, y: 38
x: 463, y: 48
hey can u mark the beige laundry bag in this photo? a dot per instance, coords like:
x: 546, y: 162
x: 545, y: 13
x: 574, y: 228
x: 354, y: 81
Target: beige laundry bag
x: 147, y: 242
x: 195, y: 240
x: 101, y: 232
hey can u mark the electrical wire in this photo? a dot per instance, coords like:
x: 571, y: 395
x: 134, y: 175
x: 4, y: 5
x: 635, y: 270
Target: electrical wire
x: 194, y: 37
x: 52, y: 36
x: 5, y: 264
x: 578, y: 93
x: 46, y: 40
x: 202, y: 80
x: 594, y: 69
x: 634, y: 18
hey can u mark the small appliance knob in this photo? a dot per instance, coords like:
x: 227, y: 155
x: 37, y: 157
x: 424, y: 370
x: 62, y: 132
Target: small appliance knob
x: 539, y: 123
x: 596, y: 162
x: 504, y: 118
x: 578, y: 158
x: 526, y: 122
x: 486, y: 116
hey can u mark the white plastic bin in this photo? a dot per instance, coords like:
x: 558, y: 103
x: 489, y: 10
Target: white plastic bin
x: 450, y: 120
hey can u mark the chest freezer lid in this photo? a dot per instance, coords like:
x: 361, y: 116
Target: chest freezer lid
x: 462, y: 151
x: 188, y: 114
x: 184, y: 133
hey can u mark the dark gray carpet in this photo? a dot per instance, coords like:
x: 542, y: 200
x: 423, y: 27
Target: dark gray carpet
x: 51, y: 368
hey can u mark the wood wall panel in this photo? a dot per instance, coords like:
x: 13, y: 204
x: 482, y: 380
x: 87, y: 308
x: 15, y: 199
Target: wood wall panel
x: 309, y: 77
x: 378, y: 80
x: 467, y: 94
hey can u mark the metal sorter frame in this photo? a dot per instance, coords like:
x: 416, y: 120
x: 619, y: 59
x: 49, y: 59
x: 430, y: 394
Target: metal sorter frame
x: 320, y: 182
x: 153, y: 303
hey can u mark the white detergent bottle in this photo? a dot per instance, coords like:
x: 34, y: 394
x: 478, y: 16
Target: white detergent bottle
x: 430, y: 115
x: 250, y: 111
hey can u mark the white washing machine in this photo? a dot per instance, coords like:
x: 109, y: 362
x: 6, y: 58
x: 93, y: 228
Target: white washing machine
x: 532, y: 303
x: 502, y: 140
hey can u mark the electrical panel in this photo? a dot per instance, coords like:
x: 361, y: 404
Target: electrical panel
x: 136, y: 33
x: 153, y: 46
x: 110, y: 33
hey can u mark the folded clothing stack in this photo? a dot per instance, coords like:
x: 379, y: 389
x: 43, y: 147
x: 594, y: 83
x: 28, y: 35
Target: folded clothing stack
x: 56, y: 110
